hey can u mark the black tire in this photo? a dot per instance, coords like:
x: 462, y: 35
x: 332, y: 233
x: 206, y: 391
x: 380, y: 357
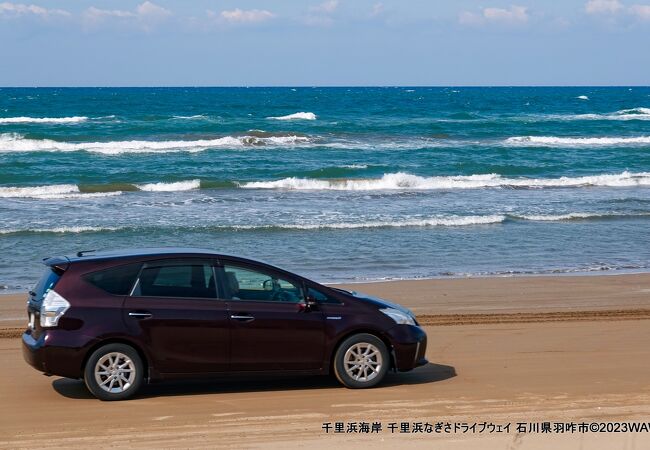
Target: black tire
x: 132, y: 373
x: 355, y: 344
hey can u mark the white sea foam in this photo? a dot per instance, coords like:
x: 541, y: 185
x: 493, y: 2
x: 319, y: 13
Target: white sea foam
x: 12, y: 142
x: 405, y: 181
x: 169, y: 187
x: 559, y: 217
x: 391, y: 181
x: 355, y: 166
x: 449, y: 221
x: 68, y: 191
x: 296, y: 116
x: 37, y: 191
x: 557, y: 141
x: 24, y: 119
x: 82, y: 195
x: 639, y: 110
x: 580, y: 215
x: 51, y: 192
x: 73, y: 229
x: 194, y: 117
x: 623, y: 114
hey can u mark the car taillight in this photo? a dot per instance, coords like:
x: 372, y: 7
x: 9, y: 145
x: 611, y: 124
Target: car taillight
x: 53, y: 307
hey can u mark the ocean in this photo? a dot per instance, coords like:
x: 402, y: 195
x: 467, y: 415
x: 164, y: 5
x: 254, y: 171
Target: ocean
x: 338, y: 184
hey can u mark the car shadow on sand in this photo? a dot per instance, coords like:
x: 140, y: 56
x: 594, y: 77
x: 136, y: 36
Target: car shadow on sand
x: 430, y: 373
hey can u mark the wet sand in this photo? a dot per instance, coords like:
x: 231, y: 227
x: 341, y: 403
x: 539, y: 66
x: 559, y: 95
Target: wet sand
x: 566, y: 349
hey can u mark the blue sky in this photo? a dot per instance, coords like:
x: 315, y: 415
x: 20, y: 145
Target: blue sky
x: 344, y: 42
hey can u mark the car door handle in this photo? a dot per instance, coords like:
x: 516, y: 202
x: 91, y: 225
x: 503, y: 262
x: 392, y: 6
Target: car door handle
x: 140, y: 315
x: 242, y: 317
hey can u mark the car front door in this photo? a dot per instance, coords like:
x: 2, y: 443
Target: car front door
x: 271, y: 327
x: 175, y: 310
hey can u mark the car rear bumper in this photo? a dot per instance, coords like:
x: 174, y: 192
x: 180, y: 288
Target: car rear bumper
x: 45, y: 355
x: 33, y: 352
x: 409, y: 346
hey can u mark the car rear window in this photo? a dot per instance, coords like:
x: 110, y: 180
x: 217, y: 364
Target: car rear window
x: 48, y: 281
x: 115, y: 280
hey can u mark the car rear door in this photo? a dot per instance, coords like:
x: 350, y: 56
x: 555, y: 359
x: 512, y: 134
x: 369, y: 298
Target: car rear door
x: 271, y: 327
x: 175, y: 310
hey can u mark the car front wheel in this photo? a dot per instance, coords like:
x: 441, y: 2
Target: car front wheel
x: 361, y: 361
x: 114, y: 372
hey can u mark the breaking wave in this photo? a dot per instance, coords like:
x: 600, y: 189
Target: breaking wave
x: 355, y: 166
x: 557, y: 141
x: 77, y: 229
x: 56, y: 191
x: 451, y: 221
x: 12, y: 142
x: 390, y: 181
x: 296, y: 116
x: 24, y: 119
x: 66, y: 191
x: 623, y: 114
x: 562, y: 217
x: 412, y: 222
x: 401, y: 180
x: 194, y: 117
x: 170, y: 187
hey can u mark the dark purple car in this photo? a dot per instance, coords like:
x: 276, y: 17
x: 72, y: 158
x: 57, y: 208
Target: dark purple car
x: 119, y: 319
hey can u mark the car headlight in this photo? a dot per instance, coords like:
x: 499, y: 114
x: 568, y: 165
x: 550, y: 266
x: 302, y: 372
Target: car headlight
x: 400, y: 318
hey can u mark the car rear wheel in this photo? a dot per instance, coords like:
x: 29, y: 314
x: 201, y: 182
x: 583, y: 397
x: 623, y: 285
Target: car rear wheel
x: 361, y: 361
x: 114, y: 372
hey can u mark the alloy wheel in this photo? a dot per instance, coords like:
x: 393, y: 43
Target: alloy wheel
x: 363, y: 362
x: 115, y: 372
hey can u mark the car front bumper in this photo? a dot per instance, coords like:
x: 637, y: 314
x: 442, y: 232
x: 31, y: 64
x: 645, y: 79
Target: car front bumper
x: 409, y: 346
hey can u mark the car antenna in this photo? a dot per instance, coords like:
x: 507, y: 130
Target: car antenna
x: 82, y: 253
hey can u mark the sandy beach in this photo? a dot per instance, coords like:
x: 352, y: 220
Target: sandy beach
x: 501, y: 350
x: 484, y: 164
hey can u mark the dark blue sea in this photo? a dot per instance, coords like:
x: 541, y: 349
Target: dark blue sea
x: 339, y: 184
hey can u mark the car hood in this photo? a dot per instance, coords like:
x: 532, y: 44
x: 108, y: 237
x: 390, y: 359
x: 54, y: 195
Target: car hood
x: 379, y: 302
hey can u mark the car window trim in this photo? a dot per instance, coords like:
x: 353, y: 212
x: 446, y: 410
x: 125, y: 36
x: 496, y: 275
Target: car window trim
x: 212, y: 263
x: 84, y: 276
x: 319, y: 288
x: 297, y: 281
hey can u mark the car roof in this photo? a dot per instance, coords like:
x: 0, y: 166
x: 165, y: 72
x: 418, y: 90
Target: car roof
x: 63, y: 262
x: 97, y: 255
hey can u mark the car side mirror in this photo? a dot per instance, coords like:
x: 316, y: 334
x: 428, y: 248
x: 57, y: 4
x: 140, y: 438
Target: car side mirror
x: 309, y: 304
x: 267, y: 285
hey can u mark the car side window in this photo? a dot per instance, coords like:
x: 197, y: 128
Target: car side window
x: 194, y: 279
x: 246, y: 283
x: 320, y: 296
x: 115, y: 280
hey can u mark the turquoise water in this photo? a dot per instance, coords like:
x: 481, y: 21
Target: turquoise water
x: 340, y: 184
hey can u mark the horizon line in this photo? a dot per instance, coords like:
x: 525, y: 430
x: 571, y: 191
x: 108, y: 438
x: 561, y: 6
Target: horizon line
x: 314, y: 86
